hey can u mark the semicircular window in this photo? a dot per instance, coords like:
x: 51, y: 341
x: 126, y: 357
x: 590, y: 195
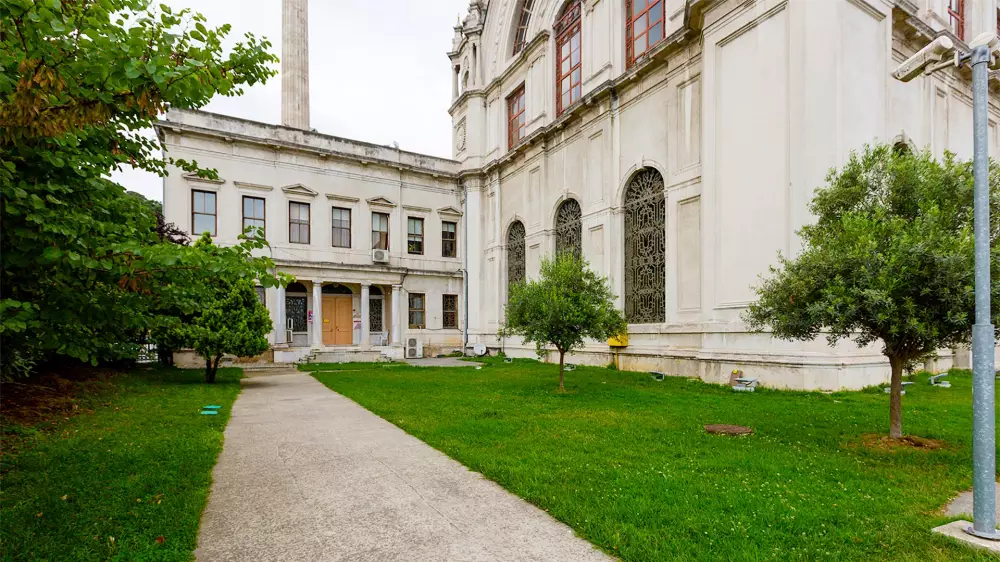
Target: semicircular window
x: 515, y: 253
x: 336, y: 289
x: 569, y: 228
x: 645, y: 249
x: 295, y: 288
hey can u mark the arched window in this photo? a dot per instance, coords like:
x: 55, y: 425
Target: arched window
x: 645, y: 249
x: 643, y: 27
x: 569, y: 228
x: 569, y: 70
x: 515, y: 253
x: 336, y: 289
x: 522, y: 16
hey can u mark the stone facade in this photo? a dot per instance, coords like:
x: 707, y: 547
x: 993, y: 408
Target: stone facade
x: 704, y: 143
x: 740, y: 110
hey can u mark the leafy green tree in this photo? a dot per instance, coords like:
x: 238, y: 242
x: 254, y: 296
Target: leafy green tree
x: 85, y: 266
x: 232, y: 322
x: 889, y: 259
x: 567, y: 304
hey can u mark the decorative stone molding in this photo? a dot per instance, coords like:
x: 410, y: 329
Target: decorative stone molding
x: 449, y: 212
x: 341, y: 198
x: 380, y: 202
x: 299, y: 189
x: 253, y: 186
x: 194, y: 178
x: 416, y: 209
x: 460, y: 136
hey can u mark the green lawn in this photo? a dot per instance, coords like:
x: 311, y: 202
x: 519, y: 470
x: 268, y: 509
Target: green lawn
x: 127, y: 481
x: 624, y: 460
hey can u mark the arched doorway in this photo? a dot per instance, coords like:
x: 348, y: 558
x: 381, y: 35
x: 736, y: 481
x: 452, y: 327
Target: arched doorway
x: 338, y: 315
x: 645, y: 249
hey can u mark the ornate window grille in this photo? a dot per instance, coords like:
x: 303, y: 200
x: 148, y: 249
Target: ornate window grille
x: 645, y: 249
x: 569, y: 228
x: 449, y: 308
x: 515, y: 254
x: 569, y: 72
x: 375, y: 309
x: 644, y: 27
x: 523, y: 19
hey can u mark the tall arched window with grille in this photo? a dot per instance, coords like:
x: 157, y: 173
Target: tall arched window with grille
x: 515, y: 253
x: 569, y: 66
x: 522, y: 18
x: 569, y: 228
x: 645, y: 249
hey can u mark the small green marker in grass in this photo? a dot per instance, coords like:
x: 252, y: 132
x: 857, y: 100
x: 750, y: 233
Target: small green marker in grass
x: 209, y: 412
x: 211, y: 407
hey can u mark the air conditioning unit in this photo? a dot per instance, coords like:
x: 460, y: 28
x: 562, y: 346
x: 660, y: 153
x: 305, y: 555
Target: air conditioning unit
x: 380, y: 256
x: 414, y: 348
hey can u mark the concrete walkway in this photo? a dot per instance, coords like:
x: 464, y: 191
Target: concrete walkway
x: 307, y: 474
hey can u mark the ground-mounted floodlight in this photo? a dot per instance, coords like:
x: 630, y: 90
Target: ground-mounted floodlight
x: 984, y: 55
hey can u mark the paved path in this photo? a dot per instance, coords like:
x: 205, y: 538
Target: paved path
x: 307, y: 474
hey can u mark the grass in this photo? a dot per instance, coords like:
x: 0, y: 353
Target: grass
x: 624, y: 460
x: 126, y: 479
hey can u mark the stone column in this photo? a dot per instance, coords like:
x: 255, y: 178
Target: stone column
x: 317, y: 308
x: 295, y: 64
x: 397, y: 315
x: 366, y: 339
x: 279, y: 317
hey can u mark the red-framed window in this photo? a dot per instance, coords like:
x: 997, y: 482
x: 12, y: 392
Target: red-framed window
x: 569, y: 70
x: 515, y: 117
x: 521, y: 33
x: 644, y: 27
x: 956, y: 16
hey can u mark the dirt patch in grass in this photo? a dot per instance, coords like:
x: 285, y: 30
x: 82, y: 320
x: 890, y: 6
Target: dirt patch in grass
x: 885, y: 443
x: 727, y: 429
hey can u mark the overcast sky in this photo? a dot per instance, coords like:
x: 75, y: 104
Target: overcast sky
x: 378, y: 71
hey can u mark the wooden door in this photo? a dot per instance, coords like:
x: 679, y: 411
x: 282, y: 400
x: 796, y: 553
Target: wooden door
x: 329, y: 319
x: 344, y: 323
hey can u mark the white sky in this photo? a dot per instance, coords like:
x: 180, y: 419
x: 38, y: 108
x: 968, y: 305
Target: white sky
x: 377, y: 70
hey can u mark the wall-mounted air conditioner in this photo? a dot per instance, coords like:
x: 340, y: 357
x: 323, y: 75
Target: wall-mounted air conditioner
x: 380, y: 256
x: 414, y: 348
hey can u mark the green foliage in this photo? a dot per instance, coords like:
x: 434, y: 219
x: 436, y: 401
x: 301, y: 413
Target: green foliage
x: 624, y: 460
x: 86, y: 268
x: 232, y: 321
x: 889, y: 259
x: 566, y: 305
x: 126, y: 479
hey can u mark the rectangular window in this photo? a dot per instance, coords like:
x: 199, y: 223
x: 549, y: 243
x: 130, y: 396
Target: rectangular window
x: 203, y: 215
x: 341, y: 219
x: 415, y: 236
x: 298, y: 223
x: 380, y: 231
x: 417, y: 310
x: 569, y: 71
x: 449, y: 306
x: 253, y: 214
x: 449, y: 239
x: 645, y: 27
x: 515, y: 117
x: 956, y: 16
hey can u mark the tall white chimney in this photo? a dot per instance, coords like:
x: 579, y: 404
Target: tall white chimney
x: 295, y: 64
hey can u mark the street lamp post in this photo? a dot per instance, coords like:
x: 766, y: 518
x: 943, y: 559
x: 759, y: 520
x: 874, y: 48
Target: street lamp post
x: 982, y: 57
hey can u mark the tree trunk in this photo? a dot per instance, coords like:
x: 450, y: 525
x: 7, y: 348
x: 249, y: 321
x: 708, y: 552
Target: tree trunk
x: 562, y: 357
x: 209, y: 372
x: 895, y: 398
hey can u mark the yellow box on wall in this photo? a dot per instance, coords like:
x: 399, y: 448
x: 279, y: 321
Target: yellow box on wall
x: 618, y: 341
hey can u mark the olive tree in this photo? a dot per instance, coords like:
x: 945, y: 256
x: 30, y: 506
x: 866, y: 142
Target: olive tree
x: 889, y: 260
x: 565, y: 305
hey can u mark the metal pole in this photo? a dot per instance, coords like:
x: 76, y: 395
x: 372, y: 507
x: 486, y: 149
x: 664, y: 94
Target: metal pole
x: 983, y: 378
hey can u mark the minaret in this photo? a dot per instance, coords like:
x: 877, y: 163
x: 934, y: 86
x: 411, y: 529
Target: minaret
x: 295, y: 64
